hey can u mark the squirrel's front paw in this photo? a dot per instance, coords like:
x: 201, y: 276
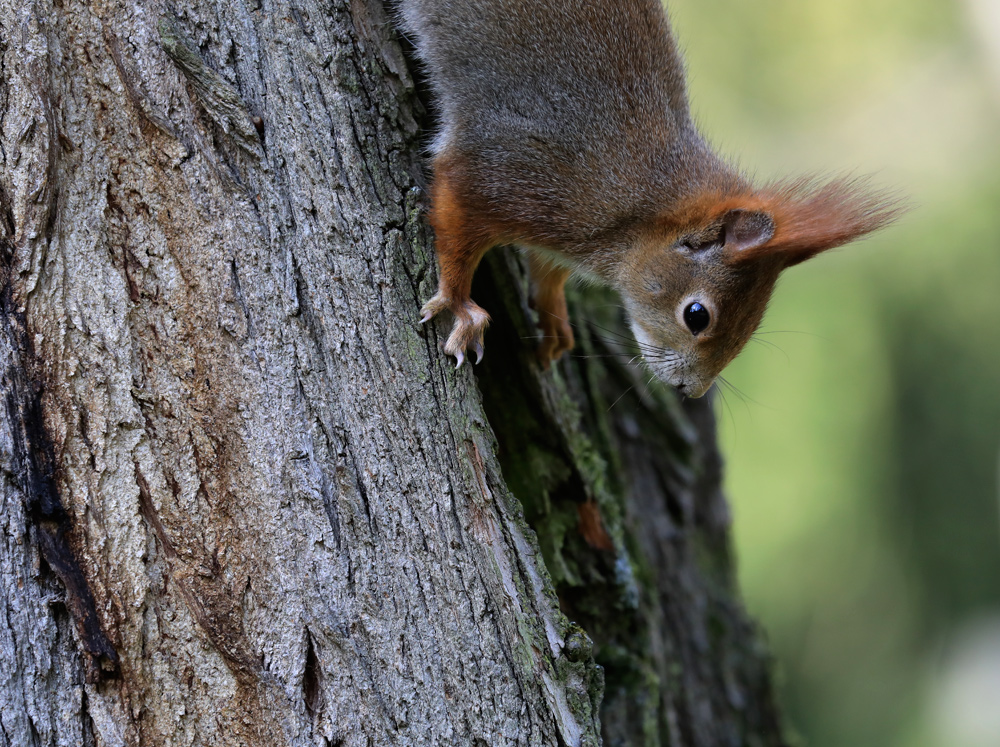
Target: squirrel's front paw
x: 471, y: 321
x: 467, y: 334
x: 557, y: 337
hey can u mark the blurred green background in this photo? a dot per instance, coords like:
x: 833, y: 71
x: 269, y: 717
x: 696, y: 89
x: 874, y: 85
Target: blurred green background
x: 863, y: 458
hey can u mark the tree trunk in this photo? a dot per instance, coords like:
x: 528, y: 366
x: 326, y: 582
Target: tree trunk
x: 246, y: 500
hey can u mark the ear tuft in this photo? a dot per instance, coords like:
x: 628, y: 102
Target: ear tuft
x: 745, y: 230
x: 811, y: 217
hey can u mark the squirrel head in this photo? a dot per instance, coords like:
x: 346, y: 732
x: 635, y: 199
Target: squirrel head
x: 701, y: 277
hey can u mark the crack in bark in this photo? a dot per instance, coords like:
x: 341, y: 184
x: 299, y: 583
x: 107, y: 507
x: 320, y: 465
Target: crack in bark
x: 33, y: 464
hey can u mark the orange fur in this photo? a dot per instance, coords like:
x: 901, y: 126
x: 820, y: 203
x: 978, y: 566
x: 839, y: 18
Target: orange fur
x: 550, y: 302
x: 460, y: 239
x: 464, y: 232
x: 809, y: 216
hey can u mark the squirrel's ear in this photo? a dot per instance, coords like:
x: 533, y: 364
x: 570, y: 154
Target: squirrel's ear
x: 810, y: 218
x: 746, y: 230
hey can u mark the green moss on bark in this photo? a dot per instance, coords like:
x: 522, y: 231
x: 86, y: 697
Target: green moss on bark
x: 654, y: 589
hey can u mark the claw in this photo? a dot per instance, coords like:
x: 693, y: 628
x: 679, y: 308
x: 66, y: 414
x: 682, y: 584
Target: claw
x: 467, y: 332
x: 432, y: 307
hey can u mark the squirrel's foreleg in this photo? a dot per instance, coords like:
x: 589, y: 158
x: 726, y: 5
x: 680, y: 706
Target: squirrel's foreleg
x: 461, y: 244
x: 549, y: 300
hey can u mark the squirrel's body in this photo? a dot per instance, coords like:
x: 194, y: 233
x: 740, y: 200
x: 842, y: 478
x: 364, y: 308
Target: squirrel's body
x: 554, y: 122
x: 565, y: 126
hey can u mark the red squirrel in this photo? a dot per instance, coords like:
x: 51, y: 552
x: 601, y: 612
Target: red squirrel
x: 565, y: 129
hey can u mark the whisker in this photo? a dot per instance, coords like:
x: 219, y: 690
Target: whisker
x: 791, y: 332
x: 726, y: 406
x: 648, y: 382
x: 744, y: 397
x: 620, y: 356
x: 723, y: 381
x: 606, y: 306
x: 628, y: 338
x: 650, y: 352
x: 771, y: 345
x: 620, y: 397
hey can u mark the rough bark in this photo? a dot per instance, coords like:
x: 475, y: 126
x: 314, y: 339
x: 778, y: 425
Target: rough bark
x: 245, y: 499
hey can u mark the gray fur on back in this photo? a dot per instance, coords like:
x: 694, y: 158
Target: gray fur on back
x: 578, y: 104
x: 549, y: 65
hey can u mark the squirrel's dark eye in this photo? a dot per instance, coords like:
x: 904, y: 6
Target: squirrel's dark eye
x: 696, y: 317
